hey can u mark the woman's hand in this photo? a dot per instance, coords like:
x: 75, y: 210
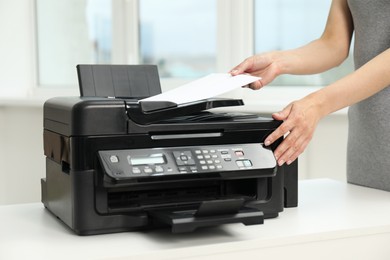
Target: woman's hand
x: 300, y: 120
x: 261, y: 65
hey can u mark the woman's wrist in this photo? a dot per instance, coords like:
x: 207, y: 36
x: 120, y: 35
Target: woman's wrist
x: 318, y: 101
x: 284, y: 62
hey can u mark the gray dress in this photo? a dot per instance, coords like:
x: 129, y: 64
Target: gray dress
x: 368, y: 154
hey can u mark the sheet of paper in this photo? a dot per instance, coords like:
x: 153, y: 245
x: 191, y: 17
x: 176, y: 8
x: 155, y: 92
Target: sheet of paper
x: 207, y: 87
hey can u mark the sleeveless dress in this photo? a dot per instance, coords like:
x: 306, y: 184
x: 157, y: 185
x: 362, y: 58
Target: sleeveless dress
x: 368, y: 152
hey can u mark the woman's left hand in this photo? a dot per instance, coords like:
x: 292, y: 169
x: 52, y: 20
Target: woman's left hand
x: 300, y: 120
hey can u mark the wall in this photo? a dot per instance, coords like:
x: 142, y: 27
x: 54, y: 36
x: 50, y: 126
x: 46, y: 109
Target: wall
x: 21, y: 151
x: 2, y: 157
x: 16, y: 48
x: 327, y: 152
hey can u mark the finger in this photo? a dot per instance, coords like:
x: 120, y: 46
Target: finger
x: 298, y: 152
x: 256, y: 85
x: 244, y: 66
x: 281, y: 152
x: 279, y: 115
x: 282, y: 115
x: 283, y: 129
x: 290, y: 148
x: 235, y: 72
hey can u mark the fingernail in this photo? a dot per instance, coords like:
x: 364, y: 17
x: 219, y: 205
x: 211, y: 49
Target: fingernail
x: 234, y: 71
x: 267, y: 142
x: 281, y: 162
x: 289, y: 162
x: 277, y: 114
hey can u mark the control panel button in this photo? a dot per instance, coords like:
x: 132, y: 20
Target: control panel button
x: 159, y: 169
x: 247, y: 163
x: 148, y: 170
x: 182, y: 169
x: 190, y: 162
x: 244, y: 163
x: 136, y: 170
x: 183, y: 158
x: 179, y: 162
x: 240, y: 163
x: 239, y: 153
x: 114, y: 159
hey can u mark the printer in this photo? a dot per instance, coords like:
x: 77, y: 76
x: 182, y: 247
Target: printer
x: 115, y: 163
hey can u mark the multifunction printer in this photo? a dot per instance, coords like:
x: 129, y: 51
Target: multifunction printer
x: 115, y: 163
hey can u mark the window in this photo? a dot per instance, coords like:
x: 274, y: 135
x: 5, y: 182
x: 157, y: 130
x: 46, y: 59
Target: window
x: 179, y: 36
x: 187, y: 39
x: 71, y: 32
x: 287, y: 24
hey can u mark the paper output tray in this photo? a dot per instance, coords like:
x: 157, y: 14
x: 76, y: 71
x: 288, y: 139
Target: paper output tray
x: 209, y: 213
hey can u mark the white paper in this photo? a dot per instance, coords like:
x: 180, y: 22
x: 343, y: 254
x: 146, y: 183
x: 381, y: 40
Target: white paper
x: 207, y: 87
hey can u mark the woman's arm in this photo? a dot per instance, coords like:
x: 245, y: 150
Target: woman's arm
x: 320, y: 55
x: 330, y: 50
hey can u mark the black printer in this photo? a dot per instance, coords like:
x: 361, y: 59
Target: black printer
x: 115, y: 163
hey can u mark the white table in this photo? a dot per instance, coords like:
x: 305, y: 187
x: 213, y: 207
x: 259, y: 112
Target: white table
x: 334, y: 220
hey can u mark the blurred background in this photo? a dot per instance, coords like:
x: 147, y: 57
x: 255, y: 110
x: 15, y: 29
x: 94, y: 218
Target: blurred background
x: 42, y: 41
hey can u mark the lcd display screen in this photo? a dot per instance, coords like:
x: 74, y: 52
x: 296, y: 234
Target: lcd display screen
x: 147, y: 160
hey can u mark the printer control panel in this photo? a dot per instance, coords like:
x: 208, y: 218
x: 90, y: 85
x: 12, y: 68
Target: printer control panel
x: 135, y: 163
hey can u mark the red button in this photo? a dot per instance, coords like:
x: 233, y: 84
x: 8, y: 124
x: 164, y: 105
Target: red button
x: 239, y: 153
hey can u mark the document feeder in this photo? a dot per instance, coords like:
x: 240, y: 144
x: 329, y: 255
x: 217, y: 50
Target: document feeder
x: 115, y: 163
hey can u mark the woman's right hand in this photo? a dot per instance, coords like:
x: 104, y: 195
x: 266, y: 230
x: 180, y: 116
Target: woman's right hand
x: 261, y: 65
